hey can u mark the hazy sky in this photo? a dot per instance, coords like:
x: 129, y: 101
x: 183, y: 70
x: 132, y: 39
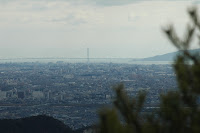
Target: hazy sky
x: 110, y: 28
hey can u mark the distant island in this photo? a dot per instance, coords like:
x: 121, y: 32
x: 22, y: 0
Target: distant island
x: 165, y: 57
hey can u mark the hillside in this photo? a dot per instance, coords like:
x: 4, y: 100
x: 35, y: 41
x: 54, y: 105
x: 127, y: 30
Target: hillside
x: 166, y: 57
x: 34, y: 124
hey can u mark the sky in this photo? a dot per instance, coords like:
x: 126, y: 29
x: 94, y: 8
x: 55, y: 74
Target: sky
x: 109, y: 28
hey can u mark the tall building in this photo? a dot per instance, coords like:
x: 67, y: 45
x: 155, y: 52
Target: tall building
x: 88, y: 55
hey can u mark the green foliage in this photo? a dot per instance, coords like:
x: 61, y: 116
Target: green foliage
x: 129, y: 109
x: 179, y: 111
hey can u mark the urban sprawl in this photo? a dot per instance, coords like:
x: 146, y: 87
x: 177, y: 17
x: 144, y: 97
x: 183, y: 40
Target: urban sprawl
x: 74, y: 92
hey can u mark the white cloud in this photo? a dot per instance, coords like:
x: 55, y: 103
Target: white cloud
x: 129, y: 26
x: 59, y: 12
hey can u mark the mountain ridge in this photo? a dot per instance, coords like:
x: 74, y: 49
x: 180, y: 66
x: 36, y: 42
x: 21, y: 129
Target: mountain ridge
x: 34, y: 124
x: 165, y: 57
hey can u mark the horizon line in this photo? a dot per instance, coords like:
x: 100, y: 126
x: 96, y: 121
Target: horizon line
x: 34, y: 58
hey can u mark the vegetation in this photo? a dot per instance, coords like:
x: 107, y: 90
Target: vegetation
x: 179, y: 111
x: 34, y: 124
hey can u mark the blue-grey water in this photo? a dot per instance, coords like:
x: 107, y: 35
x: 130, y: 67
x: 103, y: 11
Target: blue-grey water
x: 83, y: 60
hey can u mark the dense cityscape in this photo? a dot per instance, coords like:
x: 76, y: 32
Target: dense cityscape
x: 74, y: 92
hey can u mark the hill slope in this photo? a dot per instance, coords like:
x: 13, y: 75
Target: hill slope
x: 166, y: 57
x: 34, y: 124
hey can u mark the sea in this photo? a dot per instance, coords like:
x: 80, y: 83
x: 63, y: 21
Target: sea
x: 83, y: 60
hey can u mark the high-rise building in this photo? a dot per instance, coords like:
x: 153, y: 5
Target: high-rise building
x: 88, y: 55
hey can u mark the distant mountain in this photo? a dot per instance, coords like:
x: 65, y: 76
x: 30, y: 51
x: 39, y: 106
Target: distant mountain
x: 34, y: 124
x: 166, y: 57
